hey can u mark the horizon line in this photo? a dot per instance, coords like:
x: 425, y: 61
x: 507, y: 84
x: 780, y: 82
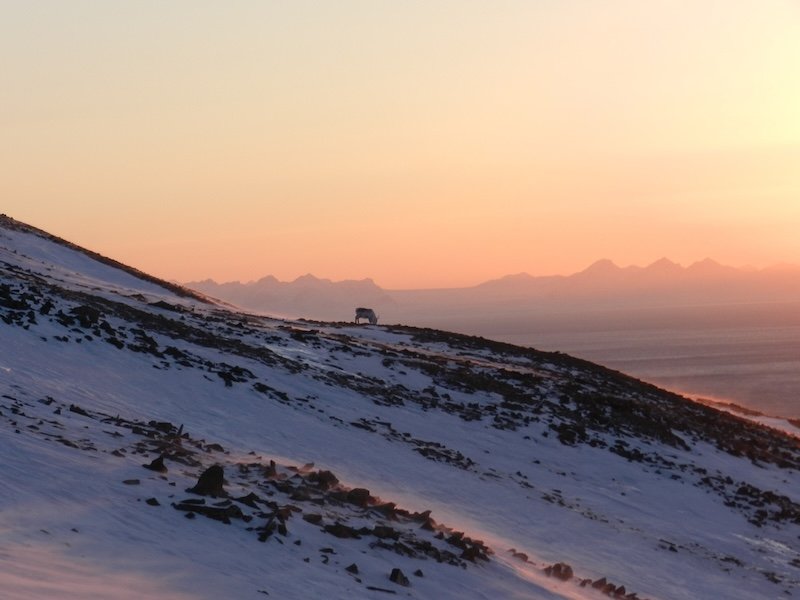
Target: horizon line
x: 599, y: 263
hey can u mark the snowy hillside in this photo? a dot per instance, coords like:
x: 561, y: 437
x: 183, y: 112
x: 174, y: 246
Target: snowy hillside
x: 157, y: 445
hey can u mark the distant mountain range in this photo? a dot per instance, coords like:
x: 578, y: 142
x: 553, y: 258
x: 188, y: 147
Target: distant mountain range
x: 601, y: 285
x: 306, y: 296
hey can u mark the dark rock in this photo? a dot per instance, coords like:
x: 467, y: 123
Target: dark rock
x: 131, y: 482
x: 301, y: 494
x: 388, y: 509
x: 223, y: 514
x: 519, y: 555
x: 352, y: 569
x: 250, y: 500
x: 78, y: 410
x: 418, y: 573
x: 210, y: 483
x: 428, y: 525
x: 153, y: 502
x: 166, y: 306
x: 324, y: 479
x: 341, y: 531
x: 600, y: 583
x: 398, y: 577
x: 157, y: 465
x: 471, y: 553
x: 384, y: 532
x: 162, y: 426
x: 86, y: 315
x: 271, y: 471
x: 313, y: 518
x: 560, y: 571
x: 359, y: 497
x: 420, y: 517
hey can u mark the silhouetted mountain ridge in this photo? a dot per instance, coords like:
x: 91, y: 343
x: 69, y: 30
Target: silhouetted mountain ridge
x: 307, y: 295
x: 602, y: 284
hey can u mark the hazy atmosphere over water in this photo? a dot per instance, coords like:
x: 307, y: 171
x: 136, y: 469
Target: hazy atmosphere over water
x: 423, y: 144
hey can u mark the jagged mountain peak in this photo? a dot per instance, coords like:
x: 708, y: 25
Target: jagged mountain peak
x: 603, y: 265
x: 664, y: 265
x: 309, y: 278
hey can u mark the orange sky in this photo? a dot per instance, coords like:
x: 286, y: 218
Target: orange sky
x: 423, y: 144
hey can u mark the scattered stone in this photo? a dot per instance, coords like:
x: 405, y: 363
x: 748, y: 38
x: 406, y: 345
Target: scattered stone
x: 313, y: 518
x: 418, y: 573
x: 210, y: 483
x: 359, y: 497
x: 153, y: 502
x: 86, y: 315
x: 383, y: 532
x: 325, y: 480
x: 164, y: 427
x: 397, y: 576
x: 389, y: 510
x: 131, y: 481
x: 341, y: 531
x: 352, y: 569
x: 250, y: 500
x: 600, y: 583
x: 157, y: 465
x: 560, y: 571
x: 271, y: 471
x: 77, y: 410
x: 218, y: 513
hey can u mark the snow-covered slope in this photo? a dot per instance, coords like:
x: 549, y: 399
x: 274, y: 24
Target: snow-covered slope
x: 335, y: 441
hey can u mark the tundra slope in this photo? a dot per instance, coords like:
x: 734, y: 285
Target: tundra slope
x: 354, y: 457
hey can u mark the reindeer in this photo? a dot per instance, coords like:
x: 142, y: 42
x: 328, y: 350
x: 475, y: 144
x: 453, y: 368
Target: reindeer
x: 368, y: 314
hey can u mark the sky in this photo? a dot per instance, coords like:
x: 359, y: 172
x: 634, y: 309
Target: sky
x: 419, y: 143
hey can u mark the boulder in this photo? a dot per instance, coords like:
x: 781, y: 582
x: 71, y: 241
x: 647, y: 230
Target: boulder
x: 157, y: 465
x: 210, y: 483
x: 359, y: 497
x: 398, y: 577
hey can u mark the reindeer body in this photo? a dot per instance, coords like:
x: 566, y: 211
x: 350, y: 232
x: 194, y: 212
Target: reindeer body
x: 368, y: 314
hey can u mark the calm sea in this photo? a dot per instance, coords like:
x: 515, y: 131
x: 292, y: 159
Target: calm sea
x: 756, y: 367
x: 749, y: 355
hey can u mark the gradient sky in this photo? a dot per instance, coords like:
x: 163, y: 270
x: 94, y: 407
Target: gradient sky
x: 420, y: 143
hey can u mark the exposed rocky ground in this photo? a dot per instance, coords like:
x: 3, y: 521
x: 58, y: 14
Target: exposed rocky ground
x: 337, y: 444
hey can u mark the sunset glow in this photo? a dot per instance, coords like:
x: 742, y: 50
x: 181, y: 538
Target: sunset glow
x: 420, y: 144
